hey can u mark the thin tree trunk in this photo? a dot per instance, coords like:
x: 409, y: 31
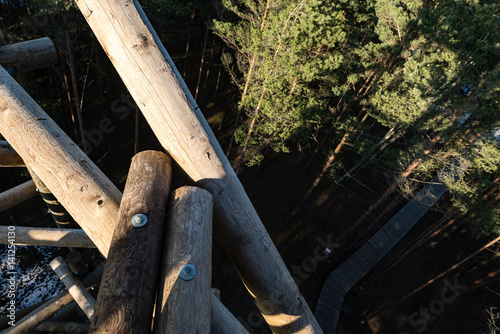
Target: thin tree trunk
x: 209, y: 64
x: 201, y: 66
x: 327, y: 166
x: 74, y: 80
x: 70, y: 103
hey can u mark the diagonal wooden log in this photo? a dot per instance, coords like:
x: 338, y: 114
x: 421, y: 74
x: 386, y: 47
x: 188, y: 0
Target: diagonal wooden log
x: 52, y: 237
x: 88, y: 195
x: 155, y: 84
x: 29, y: 55
x: 17, y: 195
x: 8, y: 156
x: 127, y: 293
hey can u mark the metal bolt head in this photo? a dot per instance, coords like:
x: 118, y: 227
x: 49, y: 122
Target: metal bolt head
x: 187, y: 272
x: 139, y: 220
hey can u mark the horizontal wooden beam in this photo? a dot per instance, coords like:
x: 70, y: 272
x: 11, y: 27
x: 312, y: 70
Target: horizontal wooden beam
x: 84, y: 191
x: 17, y: 195
x: 29, y: 55
x: 52, y: 237
x: 8, y: 156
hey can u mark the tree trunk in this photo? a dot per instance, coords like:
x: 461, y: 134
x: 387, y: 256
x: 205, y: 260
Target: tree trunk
x: 183, y: 302
x: 127, y: 293
x: 177, y: 121
x: 201, y: 66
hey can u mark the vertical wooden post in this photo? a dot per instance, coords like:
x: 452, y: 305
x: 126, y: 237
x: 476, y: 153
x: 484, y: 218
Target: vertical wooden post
x: 76, y: 288
x: 158, y: 89
x: 183, y: 303
x: 88, y: 195
x: 126, y: 298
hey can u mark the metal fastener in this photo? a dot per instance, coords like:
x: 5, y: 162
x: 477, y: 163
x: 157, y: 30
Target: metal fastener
x: 188, y: 272
x: 139, y: 220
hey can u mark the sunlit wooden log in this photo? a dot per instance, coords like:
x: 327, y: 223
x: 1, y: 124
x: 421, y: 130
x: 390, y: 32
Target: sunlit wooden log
x: 53, y: 237
x: 17, y: 195
x: 8, y: 156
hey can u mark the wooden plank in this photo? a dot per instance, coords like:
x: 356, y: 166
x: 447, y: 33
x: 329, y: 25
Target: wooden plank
x: 152, y: 79
x: 50, y: 307
x: 76, y: 288
x: 17, y: 195
x: 52, y: 237
x: 88, y: 195
x: 29, y: 55
x: 126, y: 297
x: 8, y: 156
x: 184, y: 305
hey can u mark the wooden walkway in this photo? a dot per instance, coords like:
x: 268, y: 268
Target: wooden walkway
x: 351, y: 271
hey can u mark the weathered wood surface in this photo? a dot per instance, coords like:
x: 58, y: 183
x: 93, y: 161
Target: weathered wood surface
x: 63, y: 327
x: 156, y: 86
x: 126, y: 298
x: 50, y: 307
x: 88, y: 195
x: 17, y: 195
x: 222, y: 321
x: 53, y: 237
x: 29, y: 55
x: 183, y: 306
x: 76, y: 288
x: 8, y: 156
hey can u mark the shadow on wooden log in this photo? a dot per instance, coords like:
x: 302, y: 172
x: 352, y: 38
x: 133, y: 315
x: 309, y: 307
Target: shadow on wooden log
x: 8, y: 156
x: 126, y: 297
x: 183, y: 303
x: 88, y: 195
x: 63, y: 327
x: 29, y: 55
x: 52, y: 306
x: 17, y: 195
x: 52, y: 237
x: 222, y: 321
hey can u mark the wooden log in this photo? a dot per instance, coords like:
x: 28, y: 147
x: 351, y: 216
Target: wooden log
x: 76, y: 263
x: 126, y: 297
x: 76, y: 288
x: 222, y: 321
x: 183, y: 303
x: 8, y: 156
x: 52, y: 237
x: 88, y: 195
x: 29, y: 55
x: 50, y: 307
x: 4, y: 321
x: 158, y: 89
x: 17, y: 195
x: 63, y: 327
